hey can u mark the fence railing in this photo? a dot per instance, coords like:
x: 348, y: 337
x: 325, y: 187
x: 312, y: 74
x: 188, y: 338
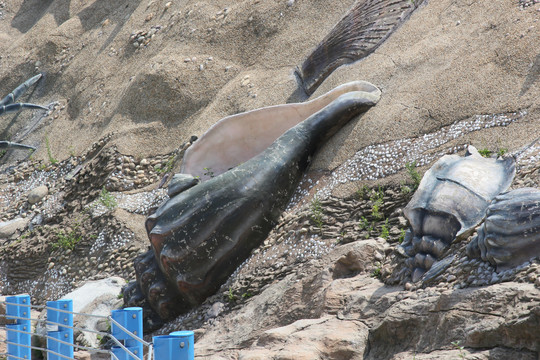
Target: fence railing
x: 126, y: 333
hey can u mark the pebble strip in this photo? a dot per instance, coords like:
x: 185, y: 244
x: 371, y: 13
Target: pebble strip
x: 381, y: 160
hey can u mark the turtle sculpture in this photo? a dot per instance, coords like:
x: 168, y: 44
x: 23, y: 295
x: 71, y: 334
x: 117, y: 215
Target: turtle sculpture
x: 510, y: 235
x: 450, y: 202
x: 207, y: 229
x: 8, y: 105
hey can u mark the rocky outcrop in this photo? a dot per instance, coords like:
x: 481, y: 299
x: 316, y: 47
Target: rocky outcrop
x: 313, y: 315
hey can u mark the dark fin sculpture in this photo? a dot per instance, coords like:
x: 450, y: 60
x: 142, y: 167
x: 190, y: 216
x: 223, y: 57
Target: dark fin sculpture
x: 7, y: 104
x: 366, y: 26
x: 204, y: 232
x: 12, y: 145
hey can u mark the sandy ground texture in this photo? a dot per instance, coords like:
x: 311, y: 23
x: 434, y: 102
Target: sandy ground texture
x: 154, y: 73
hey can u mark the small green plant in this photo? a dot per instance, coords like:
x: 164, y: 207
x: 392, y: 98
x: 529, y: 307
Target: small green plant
x: 246, y: 295
x: 369, y: 230
x: 377, y: 202
x: 362, y: 192
x: 2, y: 153
x: 413, y: 174
x: 168, y: 166
x: 377, y: 272
x: 208, y: 172
x: 502, y: 151
x: 385, y: 233
x: 363, y: 224
x: 317, y: 212
x: 52, y: 160
x: 230, y: 295
x: 459, y: 347
x: 67, y: 241
x: 484, y: 152
x: 107, y: 199
x: 120, y: 296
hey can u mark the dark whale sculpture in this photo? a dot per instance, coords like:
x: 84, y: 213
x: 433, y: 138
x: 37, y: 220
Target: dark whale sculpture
x: 202, y: 234
x: 510, y: 235
x: 366, y: 26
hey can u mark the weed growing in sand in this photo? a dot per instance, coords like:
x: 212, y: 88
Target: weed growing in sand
x: 364, y: 224
x: 208, y: 172
x: 385, y: 233
x: 52, y: 160
x: 317, y: 212
x: 484, y: 152
x: 230, y: 295
x: 107, y: 199
x: 377, y: 272
x: 168, y: 166
x: 362, y: 192
x: 459, y: 347
x: 377, y: 201
x: 67, y: 241
x: 502, y: 151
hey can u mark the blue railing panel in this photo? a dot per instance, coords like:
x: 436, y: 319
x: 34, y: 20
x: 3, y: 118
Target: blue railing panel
x: 126, y: 330
x: 19, y: 338
x: 131, y: 319
x: 178, y: 345
x: 64, y: 320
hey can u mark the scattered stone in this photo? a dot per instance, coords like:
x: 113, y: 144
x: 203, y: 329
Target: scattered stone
x: 8, y: 228
x: 37, y: 194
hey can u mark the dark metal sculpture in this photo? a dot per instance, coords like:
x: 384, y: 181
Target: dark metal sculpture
x: 203, y: 233
x: 8, y: 105
x: 366, y: 26
x: 510, y: 235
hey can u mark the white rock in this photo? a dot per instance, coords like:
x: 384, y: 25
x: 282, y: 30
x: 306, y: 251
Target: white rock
x: 8, y: 228
x: 96, y: 298
x: 38, y: 193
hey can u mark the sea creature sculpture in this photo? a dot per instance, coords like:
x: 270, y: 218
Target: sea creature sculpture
x: 203, y: 233
x: 366, y: 26
x: 450, y: 202
x: 510, y: 235
x: 7, y: 105
x: 237, y: 138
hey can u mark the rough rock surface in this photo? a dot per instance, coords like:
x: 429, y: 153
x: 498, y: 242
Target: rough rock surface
x: 130, y: 82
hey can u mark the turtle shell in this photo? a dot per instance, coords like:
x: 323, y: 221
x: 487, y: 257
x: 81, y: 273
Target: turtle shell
x: 454, y: 194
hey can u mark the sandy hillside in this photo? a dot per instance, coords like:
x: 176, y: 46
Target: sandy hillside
x: 147, y: 75
x: 452, y: 60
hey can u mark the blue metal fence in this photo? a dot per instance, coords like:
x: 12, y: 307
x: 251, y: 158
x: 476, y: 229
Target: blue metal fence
x: 126, y: 333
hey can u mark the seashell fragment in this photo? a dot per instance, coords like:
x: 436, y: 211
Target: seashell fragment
x: 510, y: 235
x: 451, y: 200
x: 356, y: 35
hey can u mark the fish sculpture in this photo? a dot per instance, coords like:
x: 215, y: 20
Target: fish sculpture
x: 450, y: 202
x: 207, y: 229
x: 364, y: 28
x: 510, y: 235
